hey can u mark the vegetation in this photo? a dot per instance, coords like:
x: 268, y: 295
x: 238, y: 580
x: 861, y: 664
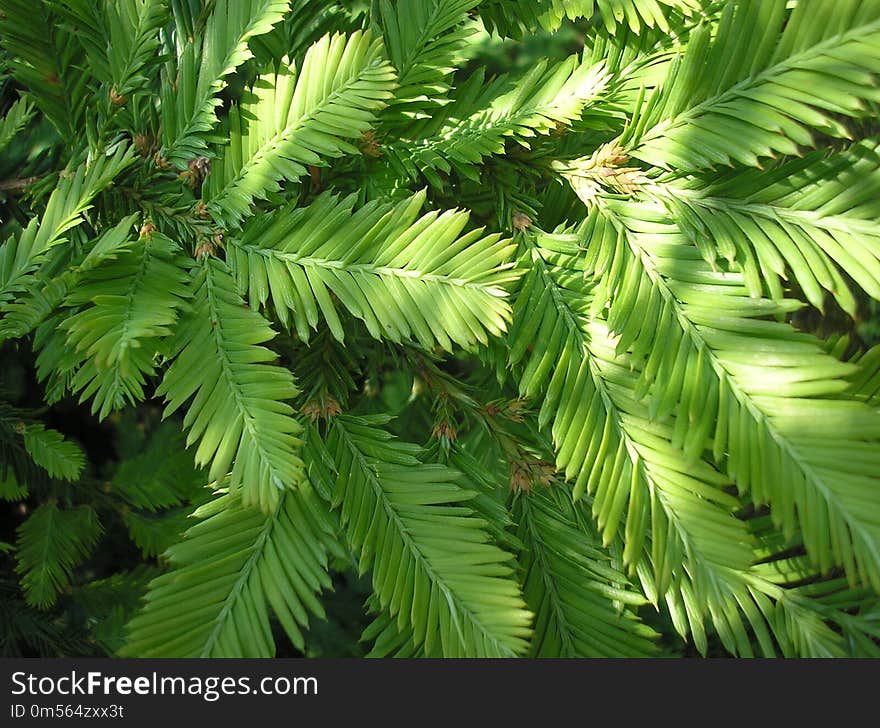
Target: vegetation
x: 440, y: 328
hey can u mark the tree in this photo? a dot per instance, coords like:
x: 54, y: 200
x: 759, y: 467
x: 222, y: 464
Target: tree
x: 527, y: 349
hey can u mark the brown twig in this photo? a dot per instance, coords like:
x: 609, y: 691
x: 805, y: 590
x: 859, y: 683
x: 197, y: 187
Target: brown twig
x: 18, y: 185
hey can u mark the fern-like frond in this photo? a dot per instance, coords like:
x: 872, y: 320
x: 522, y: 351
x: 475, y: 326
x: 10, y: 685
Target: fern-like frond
x: 403, y: 275
x: 85, y: 21
x: 388, y: 639
x: 154, y: 533
x: 133, y: 34
x: 424, y: 39
x: 673, y: 511
x: 49, y: 449
x: 239, y: 412
x: 43, y: 296
x: 815, y: 616
x: 46, y: 59
x: 260, y: 562
x: 582, y: 604
x: 758, y: 85
x: 866, y: 380
x: 38, y: 300
x: 20, y: 257
x: 51, y: 542
x: 433, y: 566
x: 808, y: 217
x: 18, y: 116
x: 484, y: 116
x: 161, y: 476
x: 17, y: 466
x: 520, y: 17
x: 56, y: 362
x: 11, y: 489
x: 189, y: 99
x: 306, y: 23
x: 765, y: 399
x: 290, y: 120
x: 156, y: 483
x: 126, y: 307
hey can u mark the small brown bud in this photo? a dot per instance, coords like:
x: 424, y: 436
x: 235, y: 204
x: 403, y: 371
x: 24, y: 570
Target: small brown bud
x: 147, y: 229
x: 370, y: 145
x: 160, y: 161
x: 530, y: 471
x: 143, y: 144
x: 196, y: 170
x: 200, y: 166
x: 445, y: 432
x: 514, y: 410
x: 204, y: 250
x: 323, y: 408
x: 116, y: 98
x: 521, y: 221
x: 200, y: 210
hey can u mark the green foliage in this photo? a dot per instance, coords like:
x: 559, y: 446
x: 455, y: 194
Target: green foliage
x: 483, y: 116
x: 160, y: 476
x: 20, y: 256
x: 277, y: 560
x: 45, y: 57
x: 737, y: 95
x: 48, y: 449
x: 425, y: 40
x: 124, y: 307
x: 434, y: 568
x: 50, y: 543
x: 385, y: 264
x: 535, y: 328
x: 17, y: 117
x: 283, y: 125
x: 238, y: 414
x: 583, y: 606
x: 522, y: 16
x: 189, y: 92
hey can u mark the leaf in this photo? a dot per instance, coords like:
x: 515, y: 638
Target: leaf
x: 761, y: 84
x: 764, y: 398
x: 519, y: 17
x: 425, y: 41
x: 133, y: 43
x: 290, y: 120
x: 46, y: 59
x: 50, y: 544
x: 154, y: 533
x: 583, y: 605
x: 17, y: 118
x: 260, y: 561
x: 806, y: 218
x: 189, y: 101
x: 126, y: 307
x: 482, y: 117
x: 676, y: 521
x: 433, y: 566
x: 72, y: 197
x: 59, y: 457
x: 404, y: 276
x: 11, y: 489
x: 239, y: 413
x: 162, y: 475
